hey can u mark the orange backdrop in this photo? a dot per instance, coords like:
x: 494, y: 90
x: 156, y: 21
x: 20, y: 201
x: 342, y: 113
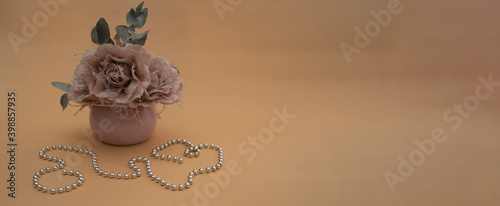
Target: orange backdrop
x: 389, y: 102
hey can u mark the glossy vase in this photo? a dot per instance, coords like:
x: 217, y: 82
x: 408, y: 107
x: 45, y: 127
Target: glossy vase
x: 122, y: 126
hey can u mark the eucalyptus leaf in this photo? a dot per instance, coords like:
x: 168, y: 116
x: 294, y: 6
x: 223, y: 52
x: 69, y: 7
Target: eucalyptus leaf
x: 131, y: 29
x: 141, y: 19
x: 137, y: 16
x: 131, y: 17
x: 102, y: 31
x: 139, y: 7
x: 64, y: 101
x: 94, y: 36
x: 123, y: 32
x: 62, y: 86
x: 111, y: 41
x: 139, y: 38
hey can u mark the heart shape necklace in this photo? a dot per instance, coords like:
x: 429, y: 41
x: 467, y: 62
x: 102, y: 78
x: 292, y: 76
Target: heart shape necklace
x: 191, y: 151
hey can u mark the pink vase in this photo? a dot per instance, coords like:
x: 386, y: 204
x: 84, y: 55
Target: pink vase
x: 122, y: 126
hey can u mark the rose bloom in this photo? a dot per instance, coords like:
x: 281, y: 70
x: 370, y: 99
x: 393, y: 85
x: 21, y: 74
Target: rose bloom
x: 165, y: 87
x: 121, y: 76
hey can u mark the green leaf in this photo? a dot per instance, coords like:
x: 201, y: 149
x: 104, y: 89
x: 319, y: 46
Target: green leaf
x: 64, y: 101
x: 94, y: 36
x: 139, y: 7
x: 102, y: 29
x: 131, y: 29
x: 137, y: 16
x: 139, y: 38
x: 111, y: 41
x: 62, y: 86
x: 123, y: 32
x: 141, y: 19
x: 131, y: 17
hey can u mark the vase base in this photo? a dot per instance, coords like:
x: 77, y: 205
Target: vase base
x: 110, y: 127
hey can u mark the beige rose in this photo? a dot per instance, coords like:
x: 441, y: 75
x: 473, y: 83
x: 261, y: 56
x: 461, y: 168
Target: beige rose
x: 165, y: 87
x: 112, y: 75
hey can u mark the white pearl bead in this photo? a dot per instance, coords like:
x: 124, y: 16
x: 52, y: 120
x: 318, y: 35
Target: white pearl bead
x: 52, y: 191
x: 119, y: 175
x: 68, y: 188
x: 73, y: 186
x: 133, y: 175
x: 44, y: 189
x: 181, y: 187
x: 60, y: 190
x: 125, y: 176
x: 174, y: 187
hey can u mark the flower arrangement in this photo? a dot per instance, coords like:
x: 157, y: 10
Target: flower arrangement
x: 121, y: 73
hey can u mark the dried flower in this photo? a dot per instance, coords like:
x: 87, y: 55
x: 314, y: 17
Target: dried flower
x: 120, y: 76
x: 124, y: 74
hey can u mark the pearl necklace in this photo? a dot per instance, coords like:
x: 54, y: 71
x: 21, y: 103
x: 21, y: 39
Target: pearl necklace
x: 192, y: 151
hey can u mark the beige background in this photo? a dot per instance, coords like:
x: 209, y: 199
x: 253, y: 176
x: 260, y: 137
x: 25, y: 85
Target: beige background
x: 352, y: 121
